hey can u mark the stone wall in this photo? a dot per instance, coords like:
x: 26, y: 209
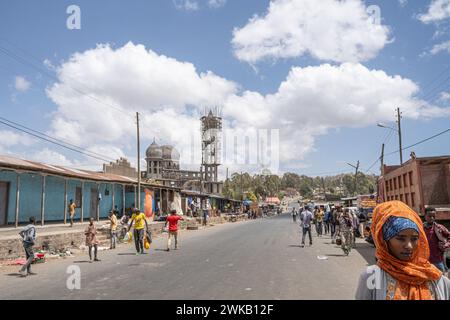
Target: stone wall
x: 12, y: 248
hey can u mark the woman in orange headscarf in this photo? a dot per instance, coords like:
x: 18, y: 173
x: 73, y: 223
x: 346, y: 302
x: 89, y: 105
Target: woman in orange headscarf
x: 403, y: 271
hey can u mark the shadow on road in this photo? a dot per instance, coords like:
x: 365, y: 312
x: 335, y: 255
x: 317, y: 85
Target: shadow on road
x: 295, y: 246
x: 17, y: 275
x: 367, y: 251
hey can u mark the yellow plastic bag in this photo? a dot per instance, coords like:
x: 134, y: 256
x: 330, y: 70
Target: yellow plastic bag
x: 146, y: 243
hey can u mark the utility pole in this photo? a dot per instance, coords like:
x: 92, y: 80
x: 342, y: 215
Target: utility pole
x: 356, y: 175
x: 242, y: 191
x: 399, y: 117
x: 138, y: 205
x: 356, y: 178
x: 382, y: 160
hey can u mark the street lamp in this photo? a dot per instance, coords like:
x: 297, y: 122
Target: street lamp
x: 398, y: 130
x: 381, y: 125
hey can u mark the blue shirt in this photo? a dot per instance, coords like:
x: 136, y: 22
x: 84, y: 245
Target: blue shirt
x: 306, y: 218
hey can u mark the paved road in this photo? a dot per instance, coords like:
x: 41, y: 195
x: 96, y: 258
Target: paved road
x: 258, y: 259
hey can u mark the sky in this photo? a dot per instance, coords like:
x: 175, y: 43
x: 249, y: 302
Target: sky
x: 315, y: 76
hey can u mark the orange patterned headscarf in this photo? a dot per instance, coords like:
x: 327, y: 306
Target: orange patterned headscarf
x: 412, y: 276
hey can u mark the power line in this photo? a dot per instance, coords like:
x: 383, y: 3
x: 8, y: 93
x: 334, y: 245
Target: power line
x: 57, y: 143
x: 436, y: 90
x: 48, y: 136
x: 332, y: 172
x: 436, y: 78
x: 420, y: 142
x: 49, y: 75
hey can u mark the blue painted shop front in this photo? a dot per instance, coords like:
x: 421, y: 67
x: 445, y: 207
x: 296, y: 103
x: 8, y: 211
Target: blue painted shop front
x: 90, y: 195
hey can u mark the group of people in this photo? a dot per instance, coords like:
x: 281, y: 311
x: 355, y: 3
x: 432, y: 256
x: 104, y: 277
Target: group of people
x: 138, y: 221
x: 341, y: 224
x: 409, y: 253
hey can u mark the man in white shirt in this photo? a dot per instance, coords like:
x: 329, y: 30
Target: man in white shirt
x: 305, y: 223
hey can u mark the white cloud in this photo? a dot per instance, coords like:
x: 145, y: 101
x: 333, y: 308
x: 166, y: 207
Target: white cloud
x: 51, y: 157
x: 403, y: 3
x: 188, y: 5
x: 444, y: 96
x: 445, y: 46
x: 437, y: 11
x: 340, y: 31
x: 130, y: 79
x: 49, y: 65
x: 313, y: 100
x: 9, y: 139
x: 21, y: 84
x: 216, y: 3
x: 170, y: 95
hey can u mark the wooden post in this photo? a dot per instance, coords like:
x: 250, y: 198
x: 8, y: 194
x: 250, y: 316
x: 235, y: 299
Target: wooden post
x: 138, y: 164
x: 123, y: 199
x: 82, y: 200
x: 112, y: 208
x: 98, y: 201
x: 167, y: 201
x: 43, y: 201
x: 65, y: 201
x: 17, y: 199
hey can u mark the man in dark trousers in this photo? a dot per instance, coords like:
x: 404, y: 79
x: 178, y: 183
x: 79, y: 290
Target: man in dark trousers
x: 306, y: 218
x: 438, y: 239
x: 28, y: 235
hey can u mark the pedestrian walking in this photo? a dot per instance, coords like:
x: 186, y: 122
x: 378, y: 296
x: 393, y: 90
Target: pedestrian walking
x: 172, y: 220
x: 205, y: 217
x: 28, y: 235
x: 306, y: 218
x: 346, y: 232
x: 140, y: 222
x: 362, y: 217
x: 294, y: 215
x: 438, y: 239
x: 72, y: 207
x: 333, y: 224
x: 113, y: 229
x: 355, y: 222
x: 403, y: 271
x: 327, y: 221
x: 91, y: 239
x: 319, y: 221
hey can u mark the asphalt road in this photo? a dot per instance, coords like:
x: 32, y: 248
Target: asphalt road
x: 257, y: 259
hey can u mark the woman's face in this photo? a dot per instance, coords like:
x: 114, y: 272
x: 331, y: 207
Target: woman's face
x: 404, y: 244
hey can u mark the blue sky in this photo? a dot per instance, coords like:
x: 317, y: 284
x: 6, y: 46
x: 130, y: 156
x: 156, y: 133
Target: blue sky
x: 36, y: 31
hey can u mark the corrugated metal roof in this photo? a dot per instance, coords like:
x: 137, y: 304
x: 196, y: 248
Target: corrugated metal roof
x: 26, y: 165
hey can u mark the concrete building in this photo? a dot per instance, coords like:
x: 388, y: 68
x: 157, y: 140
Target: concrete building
x: 420, y: 183
x: 30, y: 188
x: 121, y: 167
